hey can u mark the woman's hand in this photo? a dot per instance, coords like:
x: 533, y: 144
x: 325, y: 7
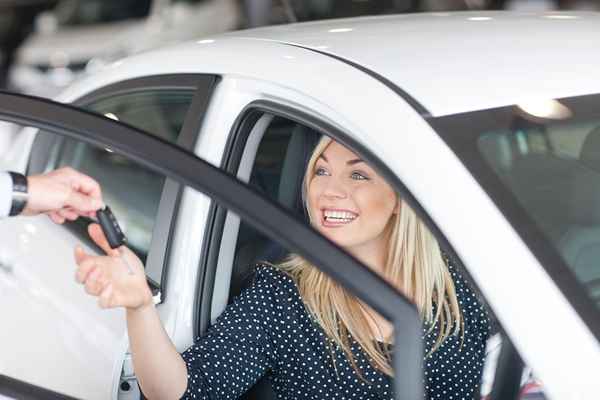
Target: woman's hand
x: 109, y: 278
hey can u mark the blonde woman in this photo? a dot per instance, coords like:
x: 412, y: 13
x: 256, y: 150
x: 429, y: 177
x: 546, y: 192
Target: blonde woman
x: 312, y: 338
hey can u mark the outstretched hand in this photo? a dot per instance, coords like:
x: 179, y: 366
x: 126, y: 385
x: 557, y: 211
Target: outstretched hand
x: 63, y: 194
x: 108, y: 277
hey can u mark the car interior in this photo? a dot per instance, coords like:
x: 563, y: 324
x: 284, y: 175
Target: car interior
x: 554, y: 172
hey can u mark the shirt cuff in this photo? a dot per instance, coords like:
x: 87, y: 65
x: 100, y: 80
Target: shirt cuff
x: 5, y: 194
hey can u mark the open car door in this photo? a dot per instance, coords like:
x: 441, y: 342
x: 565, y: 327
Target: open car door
x: 265, y: 215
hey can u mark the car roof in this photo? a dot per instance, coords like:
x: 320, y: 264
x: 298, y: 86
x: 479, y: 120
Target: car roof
x: 456, y: 62
x: 447, y: 62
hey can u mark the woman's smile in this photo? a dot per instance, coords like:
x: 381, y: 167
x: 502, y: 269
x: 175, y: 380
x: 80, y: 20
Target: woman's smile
x: 336, y: 217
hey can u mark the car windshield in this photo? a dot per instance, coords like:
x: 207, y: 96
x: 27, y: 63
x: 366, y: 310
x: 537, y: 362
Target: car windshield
x: 85, y: 12
x: 540, y: 163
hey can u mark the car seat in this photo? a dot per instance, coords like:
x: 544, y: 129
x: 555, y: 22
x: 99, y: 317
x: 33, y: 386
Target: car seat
x: 252, y: 245
x: 541, y: 183
x: 256, y: 247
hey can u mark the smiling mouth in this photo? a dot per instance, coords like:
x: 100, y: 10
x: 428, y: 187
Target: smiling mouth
x: 338, y: 217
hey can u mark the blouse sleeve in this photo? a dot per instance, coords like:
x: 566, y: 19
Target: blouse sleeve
x: 238, y: 349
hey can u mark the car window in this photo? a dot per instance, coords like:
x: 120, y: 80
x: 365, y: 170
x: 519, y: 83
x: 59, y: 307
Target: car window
x: 132, y: 191
x: 553, y: 169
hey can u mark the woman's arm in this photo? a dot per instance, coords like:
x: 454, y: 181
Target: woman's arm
x: 118, y: 280
x: 160, y: 370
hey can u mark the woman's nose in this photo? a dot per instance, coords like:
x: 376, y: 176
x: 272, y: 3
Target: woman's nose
x: 335, y: 188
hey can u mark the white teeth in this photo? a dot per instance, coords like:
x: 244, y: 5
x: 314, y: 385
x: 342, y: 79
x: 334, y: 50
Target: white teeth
x: 339, y: 216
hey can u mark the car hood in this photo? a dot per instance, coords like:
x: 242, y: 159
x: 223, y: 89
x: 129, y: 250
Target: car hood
x: 78, y: 44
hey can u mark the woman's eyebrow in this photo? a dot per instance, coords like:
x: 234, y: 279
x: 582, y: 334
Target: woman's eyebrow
x: 355, y: 161
x: 323, y: 157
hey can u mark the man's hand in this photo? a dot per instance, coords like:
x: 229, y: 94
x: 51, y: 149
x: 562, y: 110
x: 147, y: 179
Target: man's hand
x: 63, y: 194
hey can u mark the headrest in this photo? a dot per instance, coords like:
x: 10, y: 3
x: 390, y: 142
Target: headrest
x: 590, y: 151
x: 302, y: 142
x: 585, y: 207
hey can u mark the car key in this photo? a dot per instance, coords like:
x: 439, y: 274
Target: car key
x: 110, y: 227
x: 114, y: 235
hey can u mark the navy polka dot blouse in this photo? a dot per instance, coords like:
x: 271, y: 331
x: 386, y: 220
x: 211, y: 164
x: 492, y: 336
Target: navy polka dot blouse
x: 268, y: 331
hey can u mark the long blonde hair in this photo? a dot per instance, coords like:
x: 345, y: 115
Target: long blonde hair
x: 414, y: 265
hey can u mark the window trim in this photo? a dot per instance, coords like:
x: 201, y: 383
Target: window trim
x: 202, y: 86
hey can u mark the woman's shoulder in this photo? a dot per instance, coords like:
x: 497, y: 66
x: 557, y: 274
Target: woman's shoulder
x: 469, y: 299
x: 267, y: 272
x: 266, y: 276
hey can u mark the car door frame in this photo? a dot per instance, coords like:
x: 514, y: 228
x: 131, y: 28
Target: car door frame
x: 172, y: 161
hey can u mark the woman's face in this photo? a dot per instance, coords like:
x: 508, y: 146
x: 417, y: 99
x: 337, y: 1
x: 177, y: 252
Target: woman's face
x: 348, y: 202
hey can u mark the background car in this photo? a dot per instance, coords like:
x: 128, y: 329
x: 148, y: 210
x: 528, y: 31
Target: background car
x: 81, y: 36
x: 496, y: 155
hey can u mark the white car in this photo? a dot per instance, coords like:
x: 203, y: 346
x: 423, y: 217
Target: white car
x: 487, y: 123
x: 81, y: 36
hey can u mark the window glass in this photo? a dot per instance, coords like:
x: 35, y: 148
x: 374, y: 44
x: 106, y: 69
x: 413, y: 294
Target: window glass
x: 132, y: 192
x: 540, y: 163
x: 554, y: 171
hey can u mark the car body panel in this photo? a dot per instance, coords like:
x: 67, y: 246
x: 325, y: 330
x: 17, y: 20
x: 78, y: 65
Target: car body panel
x: 38, y: 295
x: 457, y: 62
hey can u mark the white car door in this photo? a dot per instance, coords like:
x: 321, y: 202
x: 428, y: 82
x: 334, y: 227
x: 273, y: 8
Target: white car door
x: 48, y: 317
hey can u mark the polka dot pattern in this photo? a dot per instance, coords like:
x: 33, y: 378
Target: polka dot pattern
x: 266, y: 330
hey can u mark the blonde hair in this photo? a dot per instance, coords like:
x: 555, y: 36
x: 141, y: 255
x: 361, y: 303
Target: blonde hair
x: 414, y: 265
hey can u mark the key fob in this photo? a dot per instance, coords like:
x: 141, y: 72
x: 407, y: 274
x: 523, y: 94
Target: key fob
x: 110, y: 227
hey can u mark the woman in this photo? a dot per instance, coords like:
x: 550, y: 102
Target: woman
x: 314, y: 339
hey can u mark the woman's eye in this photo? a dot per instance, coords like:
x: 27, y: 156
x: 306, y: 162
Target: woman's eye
x: 359, y: 177
x: 320, y: 172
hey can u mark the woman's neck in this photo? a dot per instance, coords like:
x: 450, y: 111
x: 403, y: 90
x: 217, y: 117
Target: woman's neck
x: 373, y: 253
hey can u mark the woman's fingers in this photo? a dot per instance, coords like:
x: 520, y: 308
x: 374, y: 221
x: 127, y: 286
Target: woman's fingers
x: 80, y: 254
x: 95, y: 232
x: 86, y: 266
x: 94, y: 283
x: 106, y: 297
